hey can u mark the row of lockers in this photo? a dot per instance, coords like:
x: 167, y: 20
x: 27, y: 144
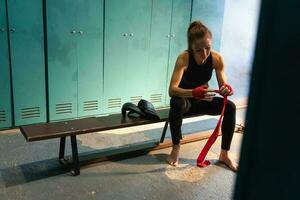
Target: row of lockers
x: 63, y: 59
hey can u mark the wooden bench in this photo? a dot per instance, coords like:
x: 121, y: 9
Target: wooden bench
x: 75, y: 127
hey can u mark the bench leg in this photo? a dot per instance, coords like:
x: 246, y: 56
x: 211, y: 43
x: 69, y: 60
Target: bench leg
x: 62, y: 148
x: 164, y: 132
x: 75, y: 155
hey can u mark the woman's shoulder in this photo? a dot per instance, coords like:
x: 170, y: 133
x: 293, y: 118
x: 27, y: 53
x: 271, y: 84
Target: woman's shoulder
x: 184, y: 56
x: 215, y: 54
x: 182, y: 60
x: 217, y: 58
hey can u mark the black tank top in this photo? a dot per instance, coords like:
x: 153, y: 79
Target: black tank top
x: 196, y: 75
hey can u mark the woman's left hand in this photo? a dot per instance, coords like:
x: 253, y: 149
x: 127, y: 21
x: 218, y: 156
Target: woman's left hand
x: 225, y: 90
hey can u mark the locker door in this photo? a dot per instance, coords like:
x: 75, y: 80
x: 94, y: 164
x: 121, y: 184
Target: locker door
x: 5, y: 98
x: 115, y: 55
x: 27, y: 60
x: 90, y: 56
x: 62, y: 58
x: 211, y: 13
x: 139, y: 18
x: 180, y: 22
x: 159, y: 51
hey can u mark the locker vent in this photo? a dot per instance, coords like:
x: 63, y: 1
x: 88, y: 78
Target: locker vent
x: 63, y: 108
x: 90, y: 105
x: 114, y: 103
x: 155, y: 98
x: 30, y: 112
x: 2, y: 116
x: 135, y: 99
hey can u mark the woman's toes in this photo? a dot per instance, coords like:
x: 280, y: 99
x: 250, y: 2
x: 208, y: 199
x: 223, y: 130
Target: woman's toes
x: 169, y: 160
x: 230, y: 164
x: 175, y: 164
x: 172, y: 161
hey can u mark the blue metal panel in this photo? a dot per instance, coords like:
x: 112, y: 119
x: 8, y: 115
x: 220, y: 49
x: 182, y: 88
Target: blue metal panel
x: 180, y: 22
x: 27, y: 60
x: 115, y: 56
x: 90, y: 57
x: 138, y: 48
x: 127, y: 33
x: 159, y: 52
x: 62, y: 34
x: 5, y: 95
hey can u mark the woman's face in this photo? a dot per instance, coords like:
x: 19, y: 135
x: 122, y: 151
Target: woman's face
x: 201, y: 48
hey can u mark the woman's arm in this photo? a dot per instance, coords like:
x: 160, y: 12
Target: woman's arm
x: 180, y: 66
x: 175, y: 90
x: 220, y: 74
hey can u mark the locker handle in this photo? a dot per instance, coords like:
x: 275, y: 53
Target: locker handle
x: 13, y: 30
x: 125, y: 34
x: 73, y: 32
x: 172, y: 35
x: 80, y: 32
x: 2, y: 29
x: 131, y: 34
x: 167, y: 36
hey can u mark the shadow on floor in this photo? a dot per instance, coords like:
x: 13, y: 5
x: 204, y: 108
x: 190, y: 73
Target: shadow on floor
x: 29, y: 172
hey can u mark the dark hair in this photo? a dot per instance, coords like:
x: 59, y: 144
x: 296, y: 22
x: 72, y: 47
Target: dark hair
x: 195, y: 31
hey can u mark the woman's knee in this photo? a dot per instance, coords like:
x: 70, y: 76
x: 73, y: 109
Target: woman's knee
x: 230, y: 107
x: 178, y: 103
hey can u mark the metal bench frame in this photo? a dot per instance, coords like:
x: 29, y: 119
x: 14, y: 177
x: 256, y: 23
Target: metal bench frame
x: 76, y: 164
x: 63, y: 129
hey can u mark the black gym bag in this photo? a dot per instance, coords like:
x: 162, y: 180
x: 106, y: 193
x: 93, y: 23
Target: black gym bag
x: 144, y: 109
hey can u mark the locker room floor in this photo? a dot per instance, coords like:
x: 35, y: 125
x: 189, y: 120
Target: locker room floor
x: 31, y: 170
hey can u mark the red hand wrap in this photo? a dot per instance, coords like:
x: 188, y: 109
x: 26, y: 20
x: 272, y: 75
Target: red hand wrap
x: 228, y: 87
x: 201, y: 162
x: 199, y: 92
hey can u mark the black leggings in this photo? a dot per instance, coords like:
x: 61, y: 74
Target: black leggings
x: 185, y: 106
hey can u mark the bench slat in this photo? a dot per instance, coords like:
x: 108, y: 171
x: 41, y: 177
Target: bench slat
x: 45, y: 131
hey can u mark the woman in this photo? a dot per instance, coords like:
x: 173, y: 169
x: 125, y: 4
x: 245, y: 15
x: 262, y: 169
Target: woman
x: 190, y: 94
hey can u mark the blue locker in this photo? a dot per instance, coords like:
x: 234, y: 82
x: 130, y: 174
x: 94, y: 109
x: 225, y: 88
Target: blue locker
x: 159, y: 52
x: 181, y: 12
x: 75, y: 58
x: 27, y: 60
x: 90, y: 57
x: 5, y: 94
x: 115, y: 56
x: 126, y: 51
x: 62, y: 33
x: 138, y: 48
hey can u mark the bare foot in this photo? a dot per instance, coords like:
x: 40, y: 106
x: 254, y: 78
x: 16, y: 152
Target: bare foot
x: 224, y: 158
x: 173, y: 157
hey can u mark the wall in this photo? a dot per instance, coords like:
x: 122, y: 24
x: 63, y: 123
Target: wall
x: 238, y: 43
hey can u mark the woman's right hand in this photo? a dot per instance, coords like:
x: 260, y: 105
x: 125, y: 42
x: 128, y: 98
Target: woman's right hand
x: 203, y: 93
